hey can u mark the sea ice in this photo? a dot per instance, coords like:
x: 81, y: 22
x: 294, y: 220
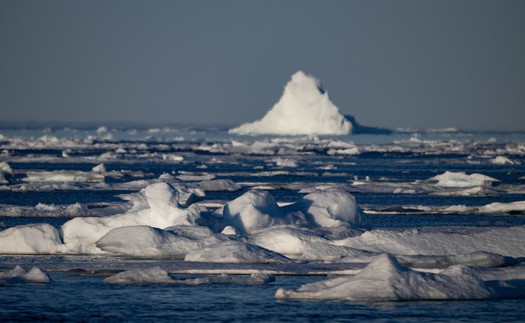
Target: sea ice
x: 304, y: 244
x: 154, y: 275
x: 147, y: 242
x: 219, y: 185
x: 234, y: 252
x: 505, y: 241
x: 257, y: 209
x: 31, y: 239
x: 64, y: 176
x: 330, y: 208
x: 385, y: 280
x: 251, y: 211
x: 460, y: 179
x: 20, y: 275
x: 6, y: 173
x: 157, y: 275
x: 162, y: 210
x: 303, y: 109
x: 502, y: 160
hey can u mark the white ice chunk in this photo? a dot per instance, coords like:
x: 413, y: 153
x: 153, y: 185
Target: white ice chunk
x: 154, y: 275
x: 30, y: 239
x: 252, y: 211
x: 20, y: 275
x: 6, y: 173
x: 460, y: 179
x: 64, y: 176
x: 99, y: 169
x: 162, y: 210
x: 303, y: 244
x: 148, y: 242
x: 234, y: 252
x: 502, y: 160
x: 441, y: 241
x: 385, y: 280
x: 303, y: 109
x: 219, y: 185
x: 283, y: 162
x: 330, y: 208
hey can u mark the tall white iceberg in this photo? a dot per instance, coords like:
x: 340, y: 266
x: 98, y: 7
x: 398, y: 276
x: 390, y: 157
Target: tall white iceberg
x: 304, y: 109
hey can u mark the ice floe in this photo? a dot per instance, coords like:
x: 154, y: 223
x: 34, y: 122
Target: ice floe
x: 234, y: 252
x: 20, y: 275
x: 461, y: 179
x: 6, y: 173
x: 31, y: 239
x: 156, y: 275
x: 385, y: 279
x: 173, y: 242
x: 64, y: 176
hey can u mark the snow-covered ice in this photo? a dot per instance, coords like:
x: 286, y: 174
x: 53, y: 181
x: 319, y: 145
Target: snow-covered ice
x: 385, y: 279
x: 6, y: 173
x: 460, y: 179
x: 303, y: 109
x: 20, y: 275
x: 157, y: 275
x: 234, y: 252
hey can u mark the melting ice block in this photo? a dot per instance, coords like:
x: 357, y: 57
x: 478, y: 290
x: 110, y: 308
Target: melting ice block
x: 303, y: 109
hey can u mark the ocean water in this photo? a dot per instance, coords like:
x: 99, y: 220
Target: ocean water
x: 388, y: 174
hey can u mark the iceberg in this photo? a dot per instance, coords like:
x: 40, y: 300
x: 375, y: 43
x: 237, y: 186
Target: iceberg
x: 303, y: 109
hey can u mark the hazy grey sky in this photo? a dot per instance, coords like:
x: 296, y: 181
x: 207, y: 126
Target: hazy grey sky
x: 418, y: 64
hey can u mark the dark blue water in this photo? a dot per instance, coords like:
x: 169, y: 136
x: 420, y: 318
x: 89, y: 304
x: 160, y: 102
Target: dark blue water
x: 87, y: 298
x: 81, y: 299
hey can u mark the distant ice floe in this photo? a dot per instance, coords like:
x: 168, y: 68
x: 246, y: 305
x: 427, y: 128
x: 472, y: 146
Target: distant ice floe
x: 156, y: 275
x: 6, y: 173
x: 20, y: 275
x: 64, y: 176
x: 303, y: 109
x: 460, y: 179
x: 502, y: 160
x: 384, y: 279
